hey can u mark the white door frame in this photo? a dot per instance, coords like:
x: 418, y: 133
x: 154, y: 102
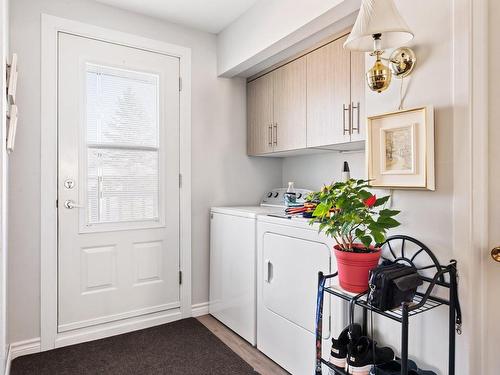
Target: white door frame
x: 51, y: 27
x: 470, y: 167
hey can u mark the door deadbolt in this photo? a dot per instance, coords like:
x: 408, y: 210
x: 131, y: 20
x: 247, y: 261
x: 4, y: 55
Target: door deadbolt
x: 69, y: 183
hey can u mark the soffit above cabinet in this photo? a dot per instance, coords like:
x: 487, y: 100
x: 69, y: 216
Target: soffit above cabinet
x: 279, y: 29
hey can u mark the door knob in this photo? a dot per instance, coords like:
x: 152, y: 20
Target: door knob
x: 495, y: 254
x: 69, y: 204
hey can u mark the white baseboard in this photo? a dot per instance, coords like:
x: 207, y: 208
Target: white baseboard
x: 199, y: 309
x: 20, y: 348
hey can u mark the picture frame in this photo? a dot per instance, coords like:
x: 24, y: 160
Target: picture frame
x: 400, y: 149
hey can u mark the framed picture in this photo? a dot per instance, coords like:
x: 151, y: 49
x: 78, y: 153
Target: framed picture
x: 400, y: 149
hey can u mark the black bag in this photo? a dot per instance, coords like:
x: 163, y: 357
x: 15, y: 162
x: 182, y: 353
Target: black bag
x: 391, y: 284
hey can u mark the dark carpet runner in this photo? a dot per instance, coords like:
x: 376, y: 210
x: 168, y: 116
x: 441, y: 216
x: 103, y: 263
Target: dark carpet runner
x: 184, y: 347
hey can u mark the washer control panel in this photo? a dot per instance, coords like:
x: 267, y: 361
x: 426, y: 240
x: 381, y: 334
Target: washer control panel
x: 276, y: 197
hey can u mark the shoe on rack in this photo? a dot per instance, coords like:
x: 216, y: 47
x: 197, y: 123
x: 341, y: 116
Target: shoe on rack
x: 338, y: 354
x: 421, y: 372
x: 362, y: 357
x: 392, y: 368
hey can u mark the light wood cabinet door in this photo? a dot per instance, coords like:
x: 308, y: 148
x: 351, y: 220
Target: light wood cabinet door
x: 289, y: 130
x: 358, y: 84
x: 260, y: 115
x: 328, y: 95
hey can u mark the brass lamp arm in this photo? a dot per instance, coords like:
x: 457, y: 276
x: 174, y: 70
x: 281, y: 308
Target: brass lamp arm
x: 402, y: 61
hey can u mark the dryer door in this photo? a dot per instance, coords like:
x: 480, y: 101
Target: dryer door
x: 291, y: 268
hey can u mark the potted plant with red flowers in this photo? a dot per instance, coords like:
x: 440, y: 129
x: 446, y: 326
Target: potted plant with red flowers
x: 356, y: 219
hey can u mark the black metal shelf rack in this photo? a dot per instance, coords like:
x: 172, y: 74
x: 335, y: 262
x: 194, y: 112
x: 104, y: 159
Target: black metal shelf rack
x: 403, y: 249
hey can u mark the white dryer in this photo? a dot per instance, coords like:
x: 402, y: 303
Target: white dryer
x: 290, y: 253
x: 233, y: 261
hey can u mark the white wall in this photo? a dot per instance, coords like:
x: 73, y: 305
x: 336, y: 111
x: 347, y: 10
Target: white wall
x: 425, y: 215
x: 271, y: 26
x: 4, y: 57
x: 222, y: 174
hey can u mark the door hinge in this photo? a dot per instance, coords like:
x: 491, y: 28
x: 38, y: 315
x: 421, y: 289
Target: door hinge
x: 180, y: 180
x: 57, y: 203
x: 180, y: 277
x: 180, y: 83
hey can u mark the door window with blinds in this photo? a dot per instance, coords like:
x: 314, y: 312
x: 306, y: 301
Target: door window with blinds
x: 122, y: 146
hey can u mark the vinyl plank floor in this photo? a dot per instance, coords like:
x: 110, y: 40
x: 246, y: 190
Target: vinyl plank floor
x: 262, y: 364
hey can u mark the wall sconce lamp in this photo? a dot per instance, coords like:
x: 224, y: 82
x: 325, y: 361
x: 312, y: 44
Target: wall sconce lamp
x: 379, y: 26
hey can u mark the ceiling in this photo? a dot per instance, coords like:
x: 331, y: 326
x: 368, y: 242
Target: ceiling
x: 211, y: 16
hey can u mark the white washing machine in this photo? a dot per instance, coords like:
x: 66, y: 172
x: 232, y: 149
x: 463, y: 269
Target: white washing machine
x: 233, y: 257
x: 290, y: 253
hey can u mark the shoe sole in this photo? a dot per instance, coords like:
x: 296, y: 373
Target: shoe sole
x: 338, y: 362
x: 364, y: 370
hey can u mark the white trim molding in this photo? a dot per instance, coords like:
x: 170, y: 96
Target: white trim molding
x: 199, y: 309
x: 8, y: 360
x: 25, y: 347
x: 51, y: 27
x: 470, y: 172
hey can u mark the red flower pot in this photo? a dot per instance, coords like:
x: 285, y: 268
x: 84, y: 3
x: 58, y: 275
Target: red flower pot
x: 354, y: 268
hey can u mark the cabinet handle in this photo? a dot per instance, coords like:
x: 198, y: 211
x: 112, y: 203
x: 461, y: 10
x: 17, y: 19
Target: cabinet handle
x: 270, y: 134
x: 354, y: 107
x: 268, y: 270
x: 276, y: 134
x: 348, y: 110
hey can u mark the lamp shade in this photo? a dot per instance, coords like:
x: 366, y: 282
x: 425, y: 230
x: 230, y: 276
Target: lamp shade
x: 378, y: 17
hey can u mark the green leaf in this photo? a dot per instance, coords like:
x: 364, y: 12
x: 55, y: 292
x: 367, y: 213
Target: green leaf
x: 321, y: 209
x: 382, y: 201
x: 346, y: 227
x: 366, y: 240
x: 388, y: 212
x: 360, y: 233
x: 364, y: 194
x: 322, y: 226
x: 388, y: 222
x: 375, y: 227
x: 377, y: 236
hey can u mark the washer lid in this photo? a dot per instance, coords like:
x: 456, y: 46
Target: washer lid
x: 247, y: 211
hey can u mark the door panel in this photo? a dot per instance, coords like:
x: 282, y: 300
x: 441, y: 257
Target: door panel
x: 328, y: 93
x: 260, y: 115
x: 284, y: 292
x: 118, y: 253
x: 289, y: 132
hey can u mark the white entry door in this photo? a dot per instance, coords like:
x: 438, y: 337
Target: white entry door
x: 118, y: 182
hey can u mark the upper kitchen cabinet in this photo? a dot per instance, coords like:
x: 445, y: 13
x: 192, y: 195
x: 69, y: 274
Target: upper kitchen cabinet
x: 260, y: 115
x: 313, y: 101
x: 335, y: 95
x: 289, y: 130
x: 328, y: 95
